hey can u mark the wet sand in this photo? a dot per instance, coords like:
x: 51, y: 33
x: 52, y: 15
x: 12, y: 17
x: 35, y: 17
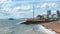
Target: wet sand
x: 39, y: 29
x: 34, y: 32
x: 55, y: 26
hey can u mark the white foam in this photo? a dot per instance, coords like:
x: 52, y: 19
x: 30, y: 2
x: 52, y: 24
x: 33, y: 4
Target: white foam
x: 21, y: 22
x: 40, y: 28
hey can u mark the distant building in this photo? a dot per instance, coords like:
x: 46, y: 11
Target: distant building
x: 45, y: 16
x: 54, y: 17
x: 48, y: 14
x: 40, y: 17
x: 58, y: 13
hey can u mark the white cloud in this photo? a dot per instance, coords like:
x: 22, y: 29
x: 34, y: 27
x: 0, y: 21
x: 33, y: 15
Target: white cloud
x: 5, y: 1
x: 14, y: 12
x: 5, y: 7
x: 37, y: 0
x: 48, y: 5
x: 26, y: 7
x: 22, y: 9
x: 17, y: 13
x: 1, y: 1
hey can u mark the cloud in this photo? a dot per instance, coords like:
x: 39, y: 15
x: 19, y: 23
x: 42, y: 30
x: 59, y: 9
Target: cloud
x: 15, y: 12
x: 48, y: 5
x: 36, y: 0
x: 26, y: 7
x: 5, y: 7
x: 21, y: 8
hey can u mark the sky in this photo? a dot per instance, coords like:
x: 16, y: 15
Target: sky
x: 24, y: 8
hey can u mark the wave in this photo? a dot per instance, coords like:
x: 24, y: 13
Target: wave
x: 14, y: 27
x: 40, y: 28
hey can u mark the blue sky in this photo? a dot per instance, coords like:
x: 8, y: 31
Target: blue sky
x: 24, y: 8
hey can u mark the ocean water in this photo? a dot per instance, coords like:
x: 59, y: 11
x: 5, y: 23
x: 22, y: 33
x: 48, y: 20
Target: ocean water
x: 14, y: 27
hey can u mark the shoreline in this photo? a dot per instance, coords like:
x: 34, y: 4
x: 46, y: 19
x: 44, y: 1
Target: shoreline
x: 55, y: 26
x: 40, y: 29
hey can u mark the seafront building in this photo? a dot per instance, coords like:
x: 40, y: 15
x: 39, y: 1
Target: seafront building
x: 43, y: 18
x: 47, y: 16
x: 58, y: 14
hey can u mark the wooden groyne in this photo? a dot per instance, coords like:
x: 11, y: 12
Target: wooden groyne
x: 36, y: 22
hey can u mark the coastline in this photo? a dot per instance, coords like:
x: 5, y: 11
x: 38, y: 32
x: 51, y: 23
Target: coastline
x: 39, y: 29
x: 55, y: 26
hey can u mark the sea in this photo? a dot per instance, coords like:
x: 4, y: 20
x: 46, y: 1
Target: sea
x: 15, y: 27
